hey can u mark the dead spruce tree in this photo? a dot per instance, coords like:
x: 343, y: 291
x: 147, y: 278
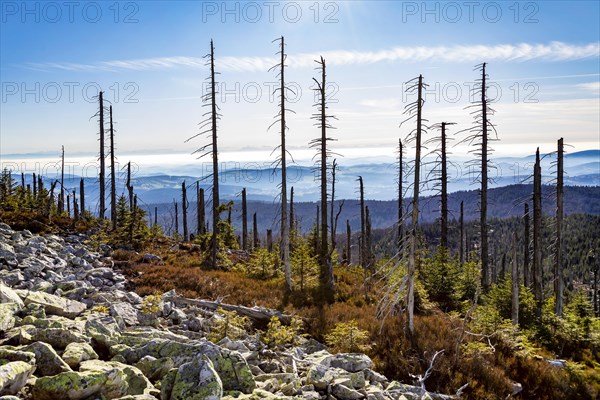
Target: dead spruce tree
x: 208, y: 127
x: 400, y: 193
x: 200, y: 213
x: 439, y: 172
x: 361, y: 249
x: 61, y: 196
x: 284, y: 246
x: 322, y: 119
x: 184, y: 207
x: 113, y: 181
x: 402, y: 286
x: 102, y: 206
x: 526, y: 247
x: 129, y: 186
x: 82, y: 197
x: 537, y: 234
x: 244, y: 221
x: 558, y: 259
x: 255, y: 239
x: 479, y: 137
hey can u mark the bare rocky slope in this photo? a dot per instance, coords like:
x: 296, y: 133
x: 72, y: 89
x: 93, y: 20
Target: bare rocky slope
x: 70, y: 330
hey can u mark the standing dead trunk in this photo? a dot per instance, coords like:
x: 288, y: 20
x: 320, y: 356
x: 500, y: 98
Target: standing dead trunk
x: 558, y: 261
x: 176, y: 219
x: 82, y: 196
x: 270, y: 240
x: 326, y: 275
x: 400, y: 194
x: 284, y: 248
x: 155, y: 216
x: 255, y: 241
x: 526, y: 270
x: 332, y: 224
x: 244, y: 221
x: 348, y: 247
x: 133, y: 219
x: 515, y: 282
x: 537, y: 234
x: 75, y: 208
x: 412, y: 260
x: 68, y: 204
x: 129, y: 186
x: 184, y: 211
x: 444, y: 191
x: 215, y: 159
x: 102, y: 206
x: 113, y: 181
x: 201, y: 214
x: 34, y: 186
x: 484, y: 183
x: 461, y: 245
x: 61, y: 196
x: 362, y: 256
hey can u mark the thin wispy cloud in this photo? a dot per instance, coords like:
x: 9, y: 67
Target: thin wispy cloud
x: 554, y: 51
x: 591, y: 86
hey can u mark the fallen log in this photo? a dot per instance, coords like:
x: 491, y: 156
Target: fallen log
x: 258, y: 314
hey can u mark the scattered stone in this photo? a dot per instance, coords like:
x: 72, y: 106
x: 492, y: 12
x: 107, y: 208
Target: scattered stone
x: 14, y: 375
x: 75, y: 353
x: 47, y: 362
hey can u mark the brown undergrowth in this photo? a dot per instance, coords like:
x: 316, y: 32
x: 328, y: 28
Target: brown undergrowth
x: 490, y: 375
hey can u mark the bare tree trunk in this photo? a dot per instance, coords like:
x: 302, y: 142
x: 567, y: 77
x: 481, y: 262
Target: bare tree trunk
x: 327, y: 278
x: 558, y: 262
x: 215, y: 159
x: 201, y: 213
x: 270, y: 240
x: 113, y: 182
x: 461, y: 246
x: 484, y: 184
x: 133, y: 219
x: 34, y: 186
x: 75, y: 208
x: 68, y: 204
x: 400, y: 194
x: 412, y: 260
x: 82, y: 196
x: 444, y: 192
x: 184, y: 211
x: 176, y: 218
x: 285, y: 232
x: 129, y: 186
x: 61, y: 197
x: 515, y: 282
x: 102, y: 206
x: 155, y: 216
x: 256, y: 242
x: 526, y: 271
x: 244, y: 221
x: 362, y: 256
x: 332, y: 226
x: 348, y: 239
x: 537, y: 234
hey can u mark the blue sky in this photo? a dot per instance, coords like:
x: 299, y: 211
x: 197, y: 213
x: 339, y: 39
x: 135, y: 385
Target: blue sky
x: 146, y: 55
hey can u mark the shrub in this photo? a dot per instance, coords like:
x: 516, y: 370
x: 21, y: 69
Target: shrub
x: 346, y: 337
x: 278, y: 335
x: 230, y: 325
x: 151, y: 304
